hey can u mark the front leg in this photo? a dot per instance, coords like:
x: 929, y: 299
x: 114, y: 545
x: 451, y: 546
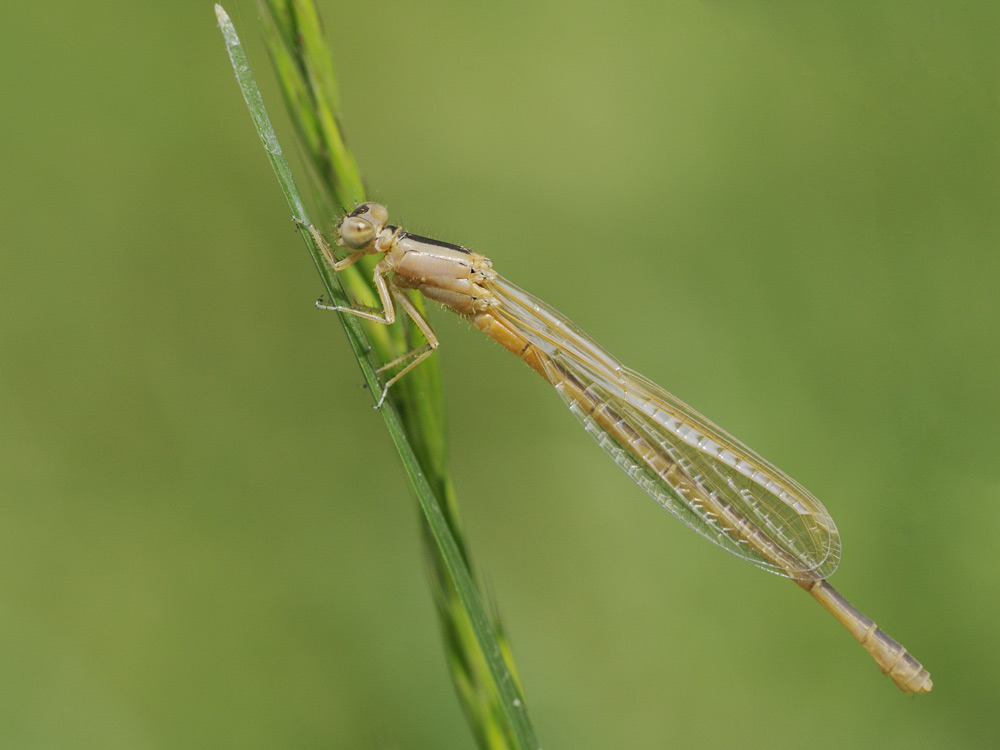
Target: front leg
x: 387, y: 314
x: 324, y: 246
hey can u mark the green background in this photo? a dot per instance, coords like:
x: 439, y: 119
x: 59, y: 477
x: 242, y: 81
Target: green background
x: 787, y: 216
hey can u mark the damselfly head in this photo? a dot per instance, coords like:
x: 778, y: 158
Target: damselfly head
x: 362, y: 225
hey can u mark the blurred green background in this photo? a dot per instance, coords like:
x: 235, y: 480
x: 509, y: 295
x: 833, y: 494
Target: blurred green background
x: 786, y: 215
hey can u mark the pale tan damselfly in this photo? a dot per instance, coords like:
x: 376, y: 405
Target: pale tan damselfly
x: 704, y: 476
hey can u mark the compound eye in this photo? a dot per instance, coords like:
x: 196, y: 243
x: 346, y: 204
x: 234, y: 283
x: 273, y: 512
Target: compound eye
x: 377, y: 214
x: 356, y: 232
x: 363, y: 224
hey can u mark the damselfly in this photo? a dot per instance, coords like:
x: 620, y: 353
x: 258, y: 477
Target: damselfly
x: 704, y: 476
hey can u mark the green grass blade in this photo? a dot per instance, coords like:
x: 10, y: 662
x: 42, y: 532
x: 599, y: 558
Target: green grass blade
x: 298, y: 49
x: 508, y: 712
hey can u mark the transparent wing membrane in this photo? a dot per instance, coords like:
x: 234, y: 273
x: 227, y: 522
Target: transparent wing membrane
x: 704, y: 476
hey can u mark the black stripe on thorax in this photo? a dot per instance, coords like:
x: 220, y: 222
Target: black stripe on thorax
x: 438, y: 243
